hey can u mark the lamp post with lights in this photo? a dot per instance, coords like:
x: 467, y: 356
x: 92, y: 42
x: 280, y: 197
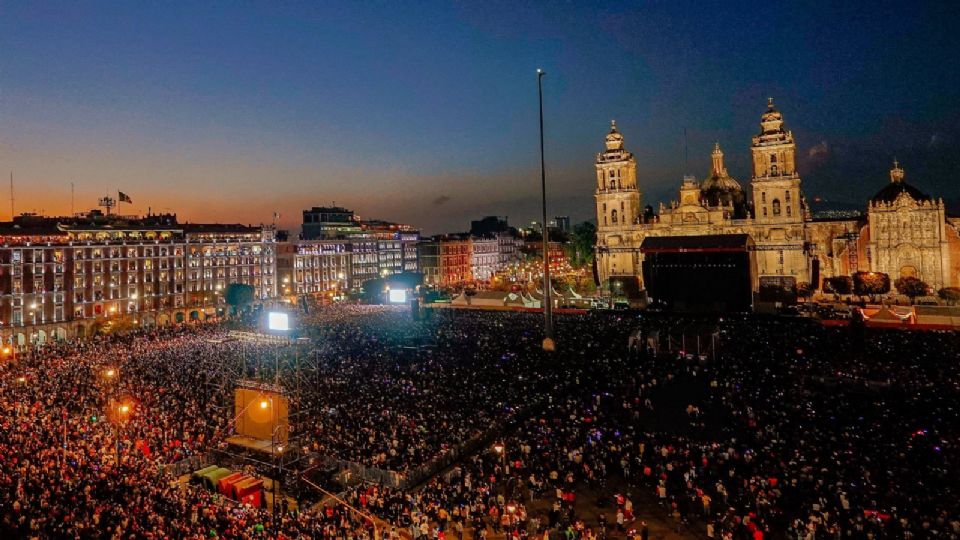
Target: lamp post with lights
x: 120, y: 410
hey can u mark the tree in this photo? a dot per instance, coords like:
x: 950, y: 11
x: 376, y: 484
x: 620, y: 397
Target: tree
x: 870, y: 283
x: 911, y: 286
x: 582, y: 240
x: 238, y: 296
x: 838, y: 285
x: 950, y: 295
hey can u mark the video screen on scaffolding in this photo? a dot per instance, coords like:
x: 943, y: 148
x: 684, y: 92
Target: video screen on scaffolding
x: 278, y: 321
x: 398, y: 296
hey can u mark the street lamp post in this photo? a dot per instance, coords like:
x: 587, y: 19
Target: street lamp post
x: 112, y: 375
x: 122, y: 411
x: 548, y: 343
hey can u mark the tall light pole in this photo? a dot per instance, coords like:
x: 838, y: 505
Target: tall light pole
x: 548, y: 343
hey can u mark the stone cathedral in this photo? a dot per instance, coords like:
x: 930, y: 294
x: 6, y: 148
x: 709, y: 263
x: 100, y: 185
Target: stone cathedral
x: 903, y: 231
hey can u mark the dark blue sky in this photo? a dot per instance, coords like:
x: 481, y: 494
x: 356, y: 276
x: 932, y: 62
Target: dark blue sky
x: 426, y: 112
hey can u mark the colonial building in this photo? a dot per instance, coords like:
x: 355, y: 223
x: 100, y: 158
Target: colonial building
x: 907, y: 234
x: 314, y: 267
x: 62, y: 277
x: 904, y: 232
x: 447, y: 260
x: 485, y: 257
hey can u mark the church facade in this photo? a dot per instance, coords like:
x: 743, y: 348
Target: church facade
x: 903, y: 231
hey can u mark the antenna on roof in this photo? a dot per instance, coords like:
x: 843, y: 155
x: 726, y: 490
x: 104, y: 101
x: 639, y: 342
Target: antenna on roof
x: 12, y: 212
x: 686, y: 153
x: 71, y: 199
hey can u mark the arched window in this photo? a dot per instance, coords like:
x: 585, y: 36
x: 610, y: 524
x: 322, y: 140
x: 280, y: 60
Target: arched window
x: 787, y: 198
x: 613, y: 217
x: 763, y: 196
x: 773, y: 158
x: 776, y: 207
x: 788, y: 210
x: 773, y: 170
x: 764, y: 211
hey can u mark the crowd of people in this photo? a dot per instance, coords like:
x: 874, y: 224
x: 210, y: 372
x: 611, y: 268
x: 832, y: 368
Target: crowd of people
x: 786, y: 429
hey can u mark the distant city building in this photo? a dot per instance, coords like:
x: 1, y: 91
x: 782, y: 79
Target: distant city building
x: 489, y: 225
x: 507, y: 248
x: 314, y: 267
x: 562, y: 223
x: 485, y: 257
x: 64, y: 277
x: 377, y: 248
x: 446, y: 260
x: 328, y: 222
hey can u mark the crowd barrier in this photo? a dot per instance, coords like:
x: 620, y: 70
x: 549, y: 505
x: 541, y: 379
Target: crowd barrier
x: 186, y: 465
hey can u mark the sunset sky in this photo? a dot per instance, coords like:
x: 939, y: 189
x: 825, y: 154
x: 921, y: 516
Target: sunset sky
x: 426, y: 113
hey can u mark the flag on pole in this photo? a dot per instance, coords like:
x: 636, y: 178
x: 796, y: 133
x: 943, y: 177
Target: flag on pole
x: 125, y: 198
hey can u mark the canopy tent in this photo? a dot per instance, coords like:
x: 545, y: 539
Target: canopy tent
x: 887, y: 316
x: 197, y: 475
x: 571, y: 294
x: 211, y: 478
x: 249, y: 491
x: 225, y: 485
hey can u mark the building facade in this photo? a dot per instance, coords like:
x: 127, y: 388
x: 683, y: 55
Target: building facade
x: 314, y: 267
x: 907, y: 234
x: 507, y: 248
x: 447, y: 260
x: 903, y: 231
x: 62, y: 277
x: 485, y: 257
x: 378, y: 248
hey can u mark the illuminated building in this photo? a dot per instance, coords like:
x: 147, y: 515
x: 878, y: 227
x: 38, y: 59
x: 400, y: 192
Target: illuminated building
x: 903, y: 233
x: 64, y: 277
x: 378, y: 248
x: 497, y: 227
x: 907, y: 234
x: 484, y: 257
x: 447, y: 260
x: 314, y: 267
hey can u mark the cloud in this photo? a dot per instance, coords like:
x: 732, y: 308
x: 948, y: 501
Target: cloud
x: 819, y: 150
x: 441, y: 200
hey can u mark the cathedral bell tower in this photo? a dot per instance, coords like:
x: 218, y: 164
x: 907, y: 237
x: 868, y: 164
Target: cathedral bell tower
x: 618, y: 207
x: 776, y: 185
x: 618, y: 199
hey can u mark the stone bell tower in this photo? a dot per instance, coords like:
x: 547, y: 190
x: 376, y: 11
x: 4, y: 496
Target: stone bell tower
x: 618, y: 207
x: 776, y: 185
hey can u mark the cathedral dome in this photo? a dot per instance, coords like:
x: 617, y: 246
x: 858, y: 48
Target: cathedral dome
x: 719, y: 178
x: 897, y: 185
x: 721, y: 189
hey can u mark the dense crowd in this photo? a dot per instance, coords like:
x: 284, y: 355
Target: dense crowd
x: 796, y: 433
x: 789, y: 430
